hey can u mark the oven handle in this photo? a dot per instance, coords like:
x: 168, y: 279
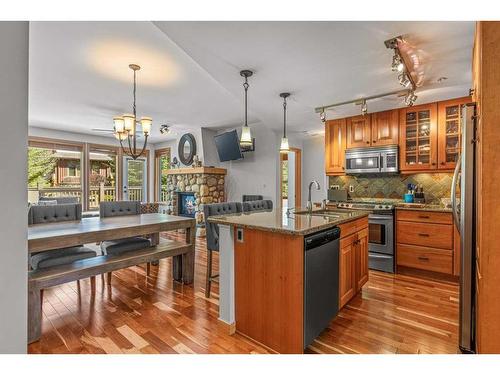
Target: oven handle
x: 380, y: 217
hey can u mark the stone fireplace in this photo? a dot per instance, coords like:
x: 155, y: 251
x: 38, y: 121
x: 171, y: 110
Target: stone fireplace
x: 194, y: 187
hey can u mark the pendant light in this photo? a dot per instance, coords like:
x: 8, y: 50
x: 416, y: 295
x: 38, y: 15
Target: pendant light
x: 125, y: 127
x: 246, y: 136
x: 284, y: 148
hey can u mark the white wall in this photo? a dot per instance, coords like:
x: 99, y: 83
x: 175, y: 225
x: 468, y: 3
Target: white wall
x: 313, y: 168
x: 174, y: 144
x: 13, y: 219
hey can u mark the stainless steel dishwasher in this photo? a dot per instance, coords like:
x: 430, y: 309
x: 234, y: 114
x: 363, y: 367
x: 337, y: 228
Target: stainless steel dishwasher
x: 321, y: 281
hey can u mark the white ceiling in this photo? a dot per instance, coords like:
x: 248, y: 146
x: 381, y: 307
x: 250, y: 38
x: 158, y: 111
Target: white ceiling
x: 79, y: 77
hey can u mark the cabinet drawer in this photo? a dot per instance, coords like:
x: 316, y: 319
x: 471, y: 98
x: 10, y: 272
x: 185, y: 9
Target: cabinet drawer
x: 425, y: 258
x: 421, y: 234
x: 425, y: 216
x: 354, y: 226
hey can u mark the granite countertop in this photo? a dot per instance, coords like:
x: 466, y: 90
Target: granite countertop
x: 299, y: 223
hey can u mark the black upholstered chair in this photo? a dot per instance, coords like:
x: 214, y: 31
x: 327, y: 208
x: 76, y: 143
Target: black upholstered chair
x: 60, y: 200
x: 55, y: 214
x: 213, y: 234
x: 122, y: 245
x: 249, y: 197
x: 260, y: 205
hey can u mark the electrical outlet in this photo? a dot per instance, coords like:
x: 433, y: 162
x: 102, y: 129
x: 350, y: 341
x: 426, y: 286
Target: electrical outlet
x: 351, y: 189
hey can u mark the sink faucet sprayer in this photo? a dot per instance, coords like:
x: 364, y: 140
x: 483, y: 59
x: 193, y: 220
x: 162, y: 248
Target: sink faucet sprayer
x: 309, y: 201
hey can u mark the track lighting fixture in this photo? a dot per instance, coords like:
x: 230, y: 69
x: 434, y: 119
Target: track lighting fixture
x: 410, y: 98
x: 364, y: 108
x: 322, y: 115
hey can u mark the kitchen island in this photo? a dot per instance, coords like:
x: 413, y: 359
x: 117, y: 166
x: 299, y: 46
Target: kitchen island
x: 262, y: 270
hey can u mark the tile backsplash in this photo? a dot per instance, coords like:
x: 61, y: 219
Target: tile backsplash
x: 436, y: 185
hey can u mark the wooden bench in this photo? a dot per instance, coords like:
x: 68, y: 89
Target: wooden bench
x: 46, y: 278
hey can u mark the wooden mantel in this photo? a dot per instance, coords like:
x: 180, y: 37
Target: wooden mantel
x: 201, y: 170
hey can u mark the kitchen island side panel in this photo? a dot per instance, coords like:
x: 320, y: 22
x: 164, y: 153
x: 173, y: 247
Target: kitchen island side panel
x: 269, y: 295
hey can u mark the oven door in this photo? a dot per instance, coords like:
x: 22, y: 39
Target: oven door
x: 363, y: 162
x: 381, y: 234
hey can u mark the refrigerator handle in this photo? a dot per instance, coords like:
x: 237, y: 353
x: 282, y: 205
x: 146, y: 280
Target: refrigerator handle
x: 453, y: 194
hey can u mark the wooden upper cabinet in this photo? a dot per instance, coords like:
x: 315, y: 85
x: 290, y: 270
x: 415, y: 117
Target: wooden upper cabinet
x: 385, y: 128
x: 418, y: 137
x: 359, y: 131
x: 450, y: 132
x: 335, y: 143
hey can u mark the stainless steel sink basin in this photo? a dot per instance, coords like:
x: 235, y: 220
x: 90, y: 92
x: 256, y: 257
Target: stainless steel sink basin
x: 325, y: 213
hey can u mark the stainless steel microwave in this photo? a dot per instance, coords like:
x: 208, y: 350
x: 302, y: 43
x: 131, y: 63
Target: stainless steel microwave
x: 372, y: 160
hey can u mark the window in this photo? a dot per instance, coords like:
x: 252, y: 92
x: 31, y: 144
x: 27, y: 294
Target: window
x: 54, y: 170
x: 102, y: 176
x: 162, y: 165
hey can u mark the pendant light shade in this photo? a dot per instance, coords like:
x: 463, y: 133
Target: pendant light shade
x: 246, y: 135
x: 284, y: 147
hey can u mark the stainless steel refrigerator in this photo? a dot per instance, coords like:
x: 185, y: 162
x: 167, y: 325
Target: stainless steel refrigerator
x: 463, y: 200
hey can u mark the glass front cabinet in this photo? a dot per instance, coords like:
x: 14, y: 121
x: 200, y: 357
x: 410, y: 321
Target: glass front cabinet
x: 418, y: 137
x: 449, y: 132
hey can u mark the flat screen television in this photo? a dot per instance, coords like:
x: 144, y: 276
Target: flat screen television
x: 228, y: 146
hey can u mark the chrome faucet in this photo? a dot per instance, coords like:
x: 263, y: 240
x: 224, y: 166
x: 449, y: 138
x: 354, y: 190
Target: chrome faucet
x: 309, y: 201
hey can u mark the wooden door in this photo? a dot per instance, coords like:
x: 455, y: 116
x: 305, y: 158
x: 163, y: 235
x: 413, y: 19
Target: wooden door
x: 335, y: 143
x: 358, y: 131
x: 362, y: 259
x: 385, y: 128
x: 347, y: 286
x: 450, y: 132
x: 418, y: 138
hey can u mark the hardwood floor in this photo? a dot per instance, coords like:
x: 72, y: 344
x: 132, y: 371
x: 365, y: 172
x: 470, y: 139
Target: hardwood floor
x: 137, y: 314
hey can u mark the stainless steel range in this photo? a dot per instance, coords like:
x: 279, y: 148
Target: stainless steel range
x: 380, y: 233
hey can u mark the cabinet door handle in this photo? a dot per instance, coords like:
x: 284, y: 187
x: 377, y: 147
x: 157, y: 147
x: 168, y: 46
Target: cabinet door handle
x: 433, y: 163
x: 425, y: 259
x: 424, y: 217
x: 423, y: 235
x: 374, y: 141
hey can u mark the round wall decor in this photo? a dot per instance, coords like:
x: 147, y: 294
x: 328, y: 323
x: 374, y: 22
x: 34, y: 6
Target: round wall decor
x: 187, y: 149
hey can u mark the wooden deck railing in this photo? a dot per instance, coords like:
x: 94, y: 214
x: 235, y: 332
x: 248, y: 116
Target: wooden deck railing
x: 96, y: 194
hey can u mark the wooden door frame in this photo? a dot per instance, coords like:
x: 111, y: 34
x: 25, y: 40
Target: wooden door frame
x: 298, y: 178
x: 158, y: 153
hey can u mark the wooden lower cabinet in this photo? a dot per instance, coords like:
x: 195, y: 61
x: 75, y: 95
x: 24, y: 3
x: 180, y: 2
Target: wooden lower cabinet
x: 426, y: 241
x: 347, y: 282
x: 353, y: 259
x: 362, y: 259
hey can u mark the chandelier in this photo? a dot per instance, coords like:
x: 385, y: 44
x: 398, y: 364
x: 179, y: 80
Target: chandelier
x: 126, y: 127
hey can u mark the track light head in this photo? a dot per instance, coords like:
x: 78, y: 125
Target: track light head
x: 410, y: 98
x: 364, y: 108
x: 322, y: 115
x: 404, y: 80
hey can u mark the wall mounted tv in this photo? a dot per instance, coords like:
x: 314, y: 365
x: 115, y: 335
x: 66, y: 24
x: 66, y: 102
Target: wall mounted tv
x: 228, y: 146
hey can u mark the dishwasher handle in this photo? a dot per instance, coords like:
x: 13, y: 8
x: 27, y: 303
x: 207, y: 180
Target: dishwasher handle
x: 317, y: 239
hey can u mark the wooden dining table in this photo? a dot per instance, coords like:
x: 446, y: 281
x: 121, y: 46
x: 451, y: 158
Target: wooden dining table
x: 53, y: 236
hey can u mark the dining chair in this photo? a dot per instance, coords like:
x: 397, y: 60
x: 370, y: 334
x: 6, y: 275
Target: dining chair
x: 212, y: 231
x: 122, y: 245
x: 260, y: 205
x: 250, y: 197
x: 56, y: 214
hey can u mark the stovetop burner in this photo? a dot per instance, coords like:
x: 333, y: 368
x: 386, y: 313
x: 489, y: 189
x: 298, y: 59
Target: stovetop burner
x: 369, y: 206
